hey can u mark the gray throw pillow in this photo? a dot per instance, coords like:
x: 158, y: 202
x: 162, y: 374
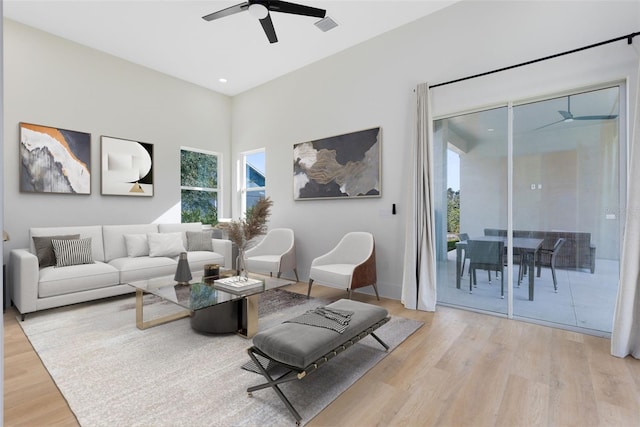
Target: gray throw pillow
x: 72, y: 251
x: 44, y: 248
x: 199, y: 241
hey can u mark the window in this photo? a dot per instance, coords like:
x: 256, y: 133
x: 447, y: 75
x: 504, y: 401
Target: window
x: 254, y: 178
x: 199, y: 179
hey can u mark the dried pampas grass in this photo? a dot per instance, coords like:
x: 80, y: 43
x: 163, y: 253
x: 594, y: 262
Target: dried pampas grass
x: 241, y: 232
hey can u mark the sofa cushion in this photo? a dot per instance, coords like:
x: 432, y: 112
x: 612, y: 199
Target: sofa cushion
x: 165, y: 244
x: 72, y: 251
x: 200, y: 240
x: 144, y: 267
x: 93, y: 231
x: 137, y: 245
x: 114, y: 243
x: 180, y: 228
x: 44, y: 248
x: 60, y: 281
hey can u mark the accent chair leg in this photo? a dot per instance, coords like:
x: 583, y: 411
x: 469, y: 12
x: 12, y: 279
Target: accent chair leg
x: 349, y: 293
x: 375, y: 288
x: 296, y: 273
x: 309, y: 291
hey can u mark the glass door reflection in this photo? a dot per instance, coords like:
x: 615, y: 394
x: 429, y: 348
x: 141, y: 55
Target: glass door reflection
x: 470, y: 153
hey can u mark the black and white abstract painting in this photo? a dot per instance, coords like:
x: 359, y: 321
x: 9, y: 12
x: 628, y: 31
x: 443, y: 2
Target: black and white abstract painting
x: 127, y: 167
x: 343, y: 166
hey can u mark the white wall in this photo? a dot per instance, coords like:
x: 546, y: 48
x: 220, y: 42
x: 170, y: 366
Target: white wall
x: 54, y: 82
x: 372, y: 85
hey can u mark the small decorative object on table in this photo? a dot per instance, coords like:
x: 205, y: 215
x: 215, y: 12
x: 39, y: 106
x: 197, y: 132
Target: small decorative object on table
x: 241, y: 232
x: 183, y: 274
x: 237, y: 285
x: 211, y: 272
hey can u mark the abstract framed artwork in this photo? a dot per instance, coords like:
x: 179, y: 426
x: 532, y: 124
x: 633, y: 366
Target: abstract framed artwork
x: 343, y: 166
x: 54, y: 160
x: 127, y: 167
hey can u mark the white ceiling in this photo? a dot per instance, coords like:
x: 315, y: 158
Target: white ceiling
x: 170, y: 36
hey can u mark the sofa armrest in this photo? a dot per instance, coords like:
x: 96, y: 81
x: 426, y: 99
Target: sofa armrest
x: 225, y: 248
x: 24, y: 274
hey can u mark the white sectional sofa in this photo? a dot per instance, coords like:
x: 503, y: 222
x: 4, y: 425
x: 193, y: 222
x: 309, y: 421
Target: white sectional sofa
x: 119, y: 253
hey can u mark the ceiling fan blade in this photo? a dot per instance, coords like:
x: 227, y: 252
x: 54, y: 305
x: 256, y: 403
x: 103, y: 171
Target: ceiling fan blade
x: 603, y: 117
x: 550, y: 124
x: 296, y: 9
x: 226, y: 12
x: 566, y: 114
x: 267, y: 26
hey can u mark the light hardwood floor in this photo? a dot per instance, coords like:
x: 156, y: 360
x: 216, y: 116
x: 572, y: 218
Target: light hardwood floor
x: 459, y: 369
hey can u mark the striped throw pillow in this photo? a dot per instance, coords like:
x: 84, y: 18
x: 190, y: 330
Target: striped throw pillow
x: 72, y: 252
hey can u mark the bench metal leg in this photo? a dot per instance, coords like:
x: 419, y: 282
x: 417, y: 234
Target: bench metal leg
x: 386, y: 347
x: 290, y: 376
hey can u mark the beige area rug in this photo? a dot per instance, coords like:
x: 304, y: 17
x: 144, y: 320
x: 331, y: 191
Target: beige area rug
x: 113, y: 374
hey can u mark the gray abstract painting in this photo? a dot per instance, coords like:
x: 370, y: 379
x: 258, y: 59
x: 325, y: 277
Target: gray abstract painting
x: 343, y: 166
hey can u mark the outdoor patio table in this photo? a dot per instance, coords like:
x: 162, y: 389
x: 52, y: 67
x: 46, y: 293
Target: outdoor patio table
x: 527, y: 246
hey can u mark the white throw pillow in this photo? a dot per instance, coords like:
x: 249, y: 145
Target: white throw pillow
x: 165, y: 244
x: 137, y: 245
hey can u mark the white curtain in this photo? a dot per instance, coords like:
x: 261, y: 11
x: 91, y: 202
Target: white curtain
x: 625, y: 335
x: 419, y: 273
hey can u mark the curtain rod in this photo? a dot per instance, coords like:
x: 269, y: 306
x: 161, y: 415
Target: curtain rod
x: 628, y: 37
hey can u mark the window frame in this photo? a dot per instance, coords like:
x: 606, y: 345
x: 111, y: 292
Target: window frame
x: 244, y: 189
x: 218, y: 191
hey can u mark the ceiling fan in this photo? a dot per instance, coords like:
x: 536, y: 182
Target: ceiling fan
x: 261, y: 8
x: 567, y: 116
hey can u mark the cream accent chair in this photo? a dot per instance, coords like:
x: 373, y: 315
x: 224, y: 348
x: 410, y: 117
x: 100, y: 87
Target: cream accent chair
x: 276, y: 252
x: 350, y: 265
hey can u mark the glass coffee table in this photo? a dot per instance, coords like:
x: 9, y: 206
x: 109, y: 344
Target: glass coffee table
x: 212, y: 310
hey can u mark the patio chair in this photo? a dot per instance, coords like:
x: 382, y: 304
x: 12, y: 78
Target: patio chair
x: 351, y: 264
x: 463, y: 238
x: 550, y: 255
x: 485, y: 255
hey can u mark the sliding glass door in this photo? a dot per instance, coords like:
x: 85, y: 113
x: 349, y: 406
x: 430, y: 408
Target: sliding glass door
x: 473, y: 196
x: 566, y: 191
x: 552, y: 194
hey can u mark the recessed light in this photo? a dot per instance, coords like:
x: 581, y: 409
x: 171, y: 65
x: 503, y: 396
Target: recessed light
x: 222, y: 80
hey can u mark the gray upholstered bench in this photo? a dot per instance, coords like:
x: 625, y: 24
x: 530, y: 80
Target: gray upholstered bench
x: 302, y: 349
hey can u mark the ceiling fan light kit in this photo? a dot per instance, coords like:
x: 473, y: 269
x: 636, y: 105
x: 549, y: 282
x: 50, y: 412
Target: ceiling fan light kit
x: 261, y: 8
x: 258, y: 11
